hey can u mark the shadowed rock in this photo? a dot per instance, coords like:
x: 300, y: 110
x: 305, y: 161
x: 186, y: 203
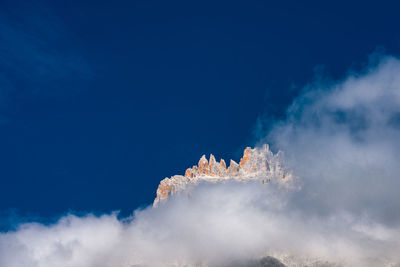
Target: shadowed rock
x: 263, y: 262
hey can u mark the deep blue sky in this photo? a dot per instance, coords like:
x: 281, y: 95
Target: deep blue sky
x: 100, y: 100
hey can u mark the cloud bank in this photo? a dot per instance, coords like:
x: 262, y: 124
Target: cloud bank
x: 342, y: 142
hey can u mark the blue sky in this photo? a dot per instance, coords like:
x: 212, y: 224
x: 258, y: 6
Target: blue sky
x: 101, y: 100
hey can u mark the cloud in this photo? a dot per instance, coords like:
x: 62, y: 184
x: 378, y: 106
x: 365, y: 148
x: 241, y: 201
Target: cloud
x: 340, y: 139
x: 343, y: 142
x: 216, y: 224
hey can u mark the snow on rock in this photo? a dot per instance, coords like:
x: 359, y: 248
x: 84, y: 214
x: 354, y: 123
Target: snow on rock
x: 256, y: 164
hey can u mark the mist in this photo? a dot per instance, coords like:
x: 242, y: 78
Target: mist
x: 340, y: 139
x: 343, y: 141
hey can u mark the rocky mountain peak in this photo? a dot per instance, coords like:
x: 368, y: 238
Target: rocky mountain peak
x: 257, y: 163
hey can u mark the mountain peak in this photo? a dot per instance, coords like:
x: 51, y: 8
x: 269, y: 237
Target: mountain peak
x: 256, y: 164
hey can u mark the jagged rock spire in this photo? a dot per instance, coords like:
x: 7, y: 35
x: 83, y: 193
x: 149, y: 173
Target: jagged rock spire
x: 258, y: 163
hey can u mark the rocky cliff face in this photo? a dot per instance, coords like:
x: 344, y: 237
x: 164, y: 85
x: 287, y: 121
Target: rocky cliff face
x: 256, y: 164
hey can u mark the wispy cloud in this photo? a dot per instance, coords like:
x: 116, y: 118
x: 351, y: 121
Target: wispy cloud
x: 342, y: 139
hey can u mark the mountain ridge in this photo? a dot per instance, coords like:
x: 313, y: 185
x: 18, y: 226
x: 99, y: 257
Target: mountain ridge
x: 258, y: 163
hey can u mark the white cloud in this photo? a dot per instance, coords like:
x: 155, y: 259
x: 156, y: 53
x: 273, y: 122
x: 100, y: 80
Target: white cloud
x: 344, y: 144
